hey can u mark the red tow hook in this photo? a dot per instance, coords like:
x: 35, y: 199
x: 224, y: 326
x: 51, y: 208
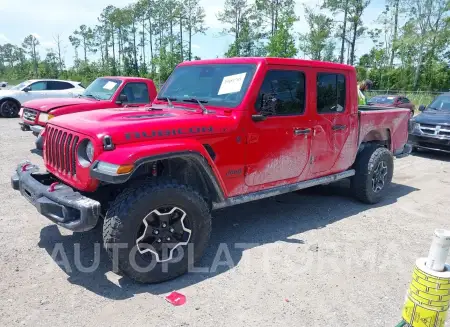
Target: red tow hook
x: 52, y: 187
x: 24, y: 167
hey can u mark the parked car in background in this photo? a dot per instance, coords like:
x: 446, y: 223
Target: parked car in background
x: 431, y: 129
x: 12, y: 99
x: 393, y: 101
x: 104, y: 92
x: 3, y: 84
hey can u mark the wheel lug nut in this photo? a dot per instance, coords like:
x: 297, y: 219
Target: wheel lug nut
x: 156, y: 232
x: 168, y: 239
x: 164, y: 225
x: 159, y: 240
x: 171, y: 230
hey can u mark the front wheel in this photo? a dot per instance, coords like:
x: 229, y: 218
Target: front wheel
x: 9, y: 109
x: 156, y: 229
x: 374, y: 168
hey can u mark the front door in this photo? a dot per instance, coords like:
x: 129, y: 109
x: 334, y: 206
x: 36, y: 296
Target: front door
x: 278, y: 147
x: 38, y: 90
x: 332, y: 124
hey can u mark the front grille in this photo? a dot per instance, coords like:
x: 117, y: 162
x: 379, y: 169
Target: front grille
x: 29, y: 114
x: 60, y: 150
x: 436, y: 130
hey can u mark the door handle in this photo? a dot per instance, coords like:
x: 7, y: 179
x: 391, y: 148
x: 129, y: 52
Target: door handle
x: 339, y: 127
x: 299, y: 131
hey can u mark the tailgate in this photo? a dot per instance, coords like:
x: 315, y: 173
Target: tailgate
x: 376, y: 122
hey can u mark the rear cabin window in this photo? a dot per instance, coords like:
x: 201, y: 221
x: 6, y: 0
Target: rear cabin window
x: 331, y: 91
x: 284, y: 87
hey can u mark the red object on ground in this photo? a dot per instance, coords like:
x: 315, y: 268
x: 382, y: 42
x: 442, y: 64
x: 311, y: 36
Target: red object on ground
x: 176, y: 298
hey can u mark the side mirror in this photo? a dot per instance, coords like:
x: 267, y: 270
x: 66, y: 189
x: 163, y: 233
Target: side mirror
x: 422, y: 107
x: 27, y: 89
x: 122, y: 99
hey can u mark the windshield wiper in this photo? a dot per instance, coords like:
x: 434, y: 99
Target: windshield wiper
x: 168, y: 100
x: 200, y: 103
x: 432, y: 108
x: 91, y: 96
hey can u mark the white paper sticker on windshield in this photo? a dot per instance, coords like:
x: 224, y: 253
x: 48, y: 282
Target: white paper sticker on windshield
x: 391, y: 98
x: 110, y: 85
x: 232, y: 84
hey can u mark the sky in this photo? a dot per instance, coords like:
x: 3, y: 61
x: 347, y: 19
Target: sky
x: 48, y: 18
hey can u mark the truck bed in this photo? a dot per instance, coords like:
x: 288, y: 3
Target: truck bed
x: 384, y: 123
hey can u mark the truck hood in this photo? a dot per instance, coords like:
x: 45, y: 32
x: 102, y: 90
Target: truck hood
x: 45, y: 105
x: 434, y: 117
x: 132, y: 125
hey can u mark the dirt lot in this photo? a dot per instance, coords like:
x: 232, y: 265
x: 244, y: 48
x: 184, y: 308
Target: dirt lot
x: 318, y: 258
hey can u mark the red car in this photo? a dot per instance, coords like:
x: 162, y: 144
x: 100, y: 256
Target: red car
x: 392, y: 101
x: 222, y: 132
x: 104, y: 92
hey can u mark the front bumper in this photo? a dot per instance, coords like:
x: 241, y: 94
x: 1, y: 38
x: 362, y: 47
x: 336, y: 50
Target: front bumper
x: 429, y: 142
x: 36, y: 129
x: 403, y: 152
x: 59, y: 203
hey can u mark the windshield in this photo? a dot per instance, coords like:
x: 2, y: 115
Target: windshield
x: 21, y: 85
x: 222, y: 85
x: 102, y: 88
x: 382, y: 100
x: 442, y: 102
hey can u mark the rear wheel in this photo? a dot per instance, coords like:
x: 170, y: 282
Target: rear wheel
x: 374, y: 168
x: 157, y: 229
x: 9, y: 109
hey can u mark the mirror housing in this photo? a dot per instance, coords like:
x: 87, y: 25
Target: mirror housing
x: 422, y: 108
x: 122, y: 99
x: 27, y: 89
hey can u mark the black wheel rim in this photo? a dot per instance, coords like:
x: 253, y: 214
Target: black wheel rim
x: 9, y: 109
x: 379, y: 177
x: 162, y: 231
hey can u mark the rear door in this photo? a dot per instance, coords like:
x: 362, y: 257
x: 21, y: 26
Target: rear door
x: 59, y: 89
x: 278, y: 147
x: 332, y: 123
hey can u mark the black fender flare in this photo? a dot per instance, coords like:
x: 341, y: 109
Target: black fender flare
x: 201, y: 163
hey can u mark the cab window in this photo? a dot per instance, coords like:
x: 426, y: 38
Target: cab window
x: 282, y: 93
x: 136, y: 93
x: 331, y: 91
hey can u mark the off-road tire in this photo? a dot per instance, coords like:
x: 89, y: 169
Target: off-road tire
x: 9, y: 109
x: 127, y: 212
x: 366, y: 163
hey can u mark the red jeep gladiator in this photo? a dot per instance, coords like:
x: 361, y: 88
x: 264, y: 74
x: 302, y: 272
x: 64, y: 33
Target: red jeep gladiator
x: 222, y: 132
x: 104, y: 92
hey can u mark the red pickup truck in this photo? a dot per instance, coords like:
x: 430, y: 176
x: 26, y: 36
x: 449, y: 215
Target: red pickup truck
x: 222, y: 132
x: 104, y: 92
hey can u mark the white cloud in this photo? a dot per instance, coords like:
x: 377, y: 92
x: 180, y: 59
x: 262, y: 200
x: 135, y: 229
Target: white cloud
x: 36, y: 35
x: 211, y: 11
x: 195, y: 46
x: 48, y: 44
x: 3, y: 38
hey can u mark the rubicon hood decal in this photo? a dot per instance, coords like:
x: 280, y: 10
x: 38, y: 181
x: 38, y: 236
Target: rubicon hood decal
x: 169, y: 132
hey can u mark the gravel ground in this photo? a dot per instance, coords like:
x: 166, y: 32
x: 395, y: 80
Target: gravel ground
x: 315, y: 258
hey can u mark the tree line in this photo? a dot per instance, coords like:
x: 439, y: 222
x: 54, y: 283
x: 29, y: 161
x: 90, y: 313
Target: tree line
x: 150, y: 37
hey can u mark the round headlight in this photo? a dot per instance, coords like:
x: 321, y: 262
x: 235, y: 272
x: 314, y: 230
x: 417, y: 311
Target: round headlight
x: 90, y: 151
